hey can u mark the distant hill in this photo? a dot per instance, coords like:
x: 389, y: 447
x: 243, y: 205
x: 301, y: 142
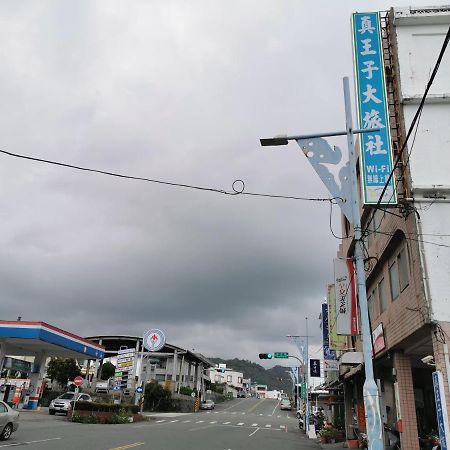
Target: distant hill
x: 275, y: 378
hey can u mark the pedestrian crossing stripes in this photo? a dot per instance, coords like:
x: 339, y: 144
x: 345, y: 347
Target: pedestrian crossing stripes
x: 215, y: 422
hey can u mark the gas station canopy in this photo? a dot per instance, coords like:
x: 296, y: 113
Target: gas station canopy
x: 27, y: 338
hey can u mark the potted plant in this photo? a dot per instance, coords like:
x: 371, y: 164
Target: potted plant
x: 328, y: 435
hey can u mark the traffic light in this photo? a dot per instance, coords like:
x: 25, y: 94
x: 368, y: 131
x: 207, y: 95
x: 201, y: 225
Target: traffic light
x: 265, y: 355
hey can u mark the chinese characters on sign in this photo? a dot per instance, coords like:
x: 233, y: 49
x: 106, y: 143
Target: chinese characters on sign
x: 345, y: 286
x: 375, y: 148
x: 314, y: 367
x: 335, y: 341
x: 327, y: 353
x: 441, y: 408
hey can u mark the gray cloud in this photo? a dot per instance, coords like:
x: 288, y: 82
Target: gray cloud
x: 180, y: 92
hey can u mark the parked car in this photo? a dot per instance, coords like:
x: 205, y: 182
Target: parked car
x: 9, y: 421
x: 241, y: 394
x: 63, y: 403
x: 207, y: 404
x: 285, y: 404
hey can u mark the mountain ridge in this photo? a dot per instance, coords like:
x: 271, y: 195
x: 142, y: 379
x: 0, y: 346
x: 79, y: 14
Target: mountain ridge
x: 275, y: 378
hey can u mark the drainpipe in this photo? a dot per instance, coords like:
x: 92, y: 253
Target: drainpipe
x: 424, y: 269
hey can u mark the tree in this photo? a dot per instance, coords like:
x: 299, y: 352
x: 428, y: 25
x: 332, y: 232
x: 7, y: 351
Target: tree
x: 63, y: 370
x: 157, y: 398
x: 108, y: 370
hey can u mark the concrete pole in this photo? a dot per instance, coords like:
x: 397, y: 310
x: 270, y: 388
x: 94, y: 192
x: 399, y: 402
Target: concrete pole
x: 174, y: 371
x: 370, y: 389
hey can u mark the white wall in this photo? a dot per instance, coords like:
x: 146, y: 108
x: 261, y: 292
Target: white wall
x: 419, y: 40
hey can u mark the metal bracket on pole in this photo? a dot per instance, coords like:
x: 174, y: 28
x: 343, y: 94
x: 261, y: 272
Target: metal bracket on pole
x: 320, y: 154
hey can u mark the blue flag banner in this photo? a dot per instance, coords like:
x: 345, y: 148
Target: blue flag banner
x: 372, y: 110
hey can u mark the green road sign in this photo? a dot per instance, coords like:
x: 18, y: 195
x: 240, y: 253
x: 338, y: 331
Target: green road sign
x: 303, y: 391
x: 281, y: 354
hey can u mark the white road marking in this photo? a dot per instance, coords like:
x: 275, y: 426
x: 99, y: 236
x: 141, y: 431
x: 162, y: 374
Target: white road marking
x: 243, y: 413
x: 254, y: 425
x: 173, y: 421
x: 278, y: 417
x: 283, y: 426
x: 216, y: 412
x: 234, y: 412
x: 160, y: 421
x: 186, y: 421
x: 240, y: 424
x: 214, y: 421
x: 274, y: 409
x: 225, y: 423
x: 261, y: 414
x: 251, y: 434
x: 15, y: 444
x: 268, y: 425
x: 199, y: 421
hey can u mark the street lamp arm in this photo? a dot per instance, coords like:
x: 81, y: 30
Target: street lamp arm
x: 298, y: 359
x: 283, y: 140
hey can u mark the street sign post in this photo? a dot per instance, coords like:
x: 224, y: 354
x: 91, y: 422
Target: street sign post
x: 78, y: 381
x: 283, y: 355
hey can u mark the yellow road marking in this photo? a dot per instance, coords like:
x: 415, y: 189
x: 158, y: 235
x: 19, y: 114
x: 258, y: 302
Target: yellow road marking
x: 255, y: 405
x: 123, y: 447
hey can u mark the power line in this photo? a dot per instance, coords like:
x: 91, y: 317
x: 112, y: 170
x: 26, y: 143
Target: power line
x: 415, y: 240
x: 237, y: 188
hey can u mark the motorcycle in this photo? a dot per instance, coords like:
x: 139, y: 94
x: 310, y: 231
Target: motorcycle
x: 393, y: 437
x: 362, y: 439
x: 435, y: 442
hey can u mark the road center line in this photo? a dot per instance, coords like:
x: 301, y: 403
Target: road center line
x: 251, y: 434
x: 255, y: 405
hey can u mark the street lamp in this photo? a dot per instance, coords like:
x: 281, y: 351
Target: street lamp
x: 350, y: 206
x: 305, y: 367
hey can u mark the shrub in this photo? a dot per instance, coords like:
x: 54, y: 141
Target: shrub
x: 106, y: 407
x: 86, y: 419
x: 185, y: 390
x: 117, y: 418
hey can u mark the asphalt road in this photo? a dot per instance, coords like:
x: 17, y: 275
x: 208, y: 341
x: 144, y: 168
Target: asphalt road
x: 241, y: 424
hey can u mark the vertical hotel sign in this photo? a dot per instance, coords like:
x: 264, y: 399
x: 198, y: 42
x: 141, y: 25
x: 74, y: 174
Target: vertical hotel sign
x: 371, y: 100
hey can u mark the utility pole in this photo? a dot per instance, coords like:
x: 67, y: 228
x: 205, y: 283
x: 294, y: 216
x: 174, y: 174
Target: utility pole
x: 318, y: 151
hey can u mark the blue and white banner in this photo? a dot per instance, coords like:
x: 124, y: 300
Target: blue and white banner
x: 372, y: 106
x: 327, y: 353
x: 441, y: 408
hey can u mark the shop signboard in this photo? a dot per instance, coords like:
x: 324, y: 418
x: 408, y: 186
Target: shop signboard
x: 328, y: 354
x: 372, y: 110
x: 441, y: 408
x: 345, y: 297
x: 336, y: 342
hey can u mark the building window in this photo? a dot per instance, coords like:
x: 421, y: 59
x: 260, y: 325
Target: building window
x: 229, y: 378
x: 382, y: 296
x: 240, y: 380
x: 403, y: 274
x: 399, y: 273
x: 393, y: 280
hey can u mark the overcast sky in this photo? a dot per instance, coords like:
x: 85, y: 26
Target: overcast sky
x: 179, y: 91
